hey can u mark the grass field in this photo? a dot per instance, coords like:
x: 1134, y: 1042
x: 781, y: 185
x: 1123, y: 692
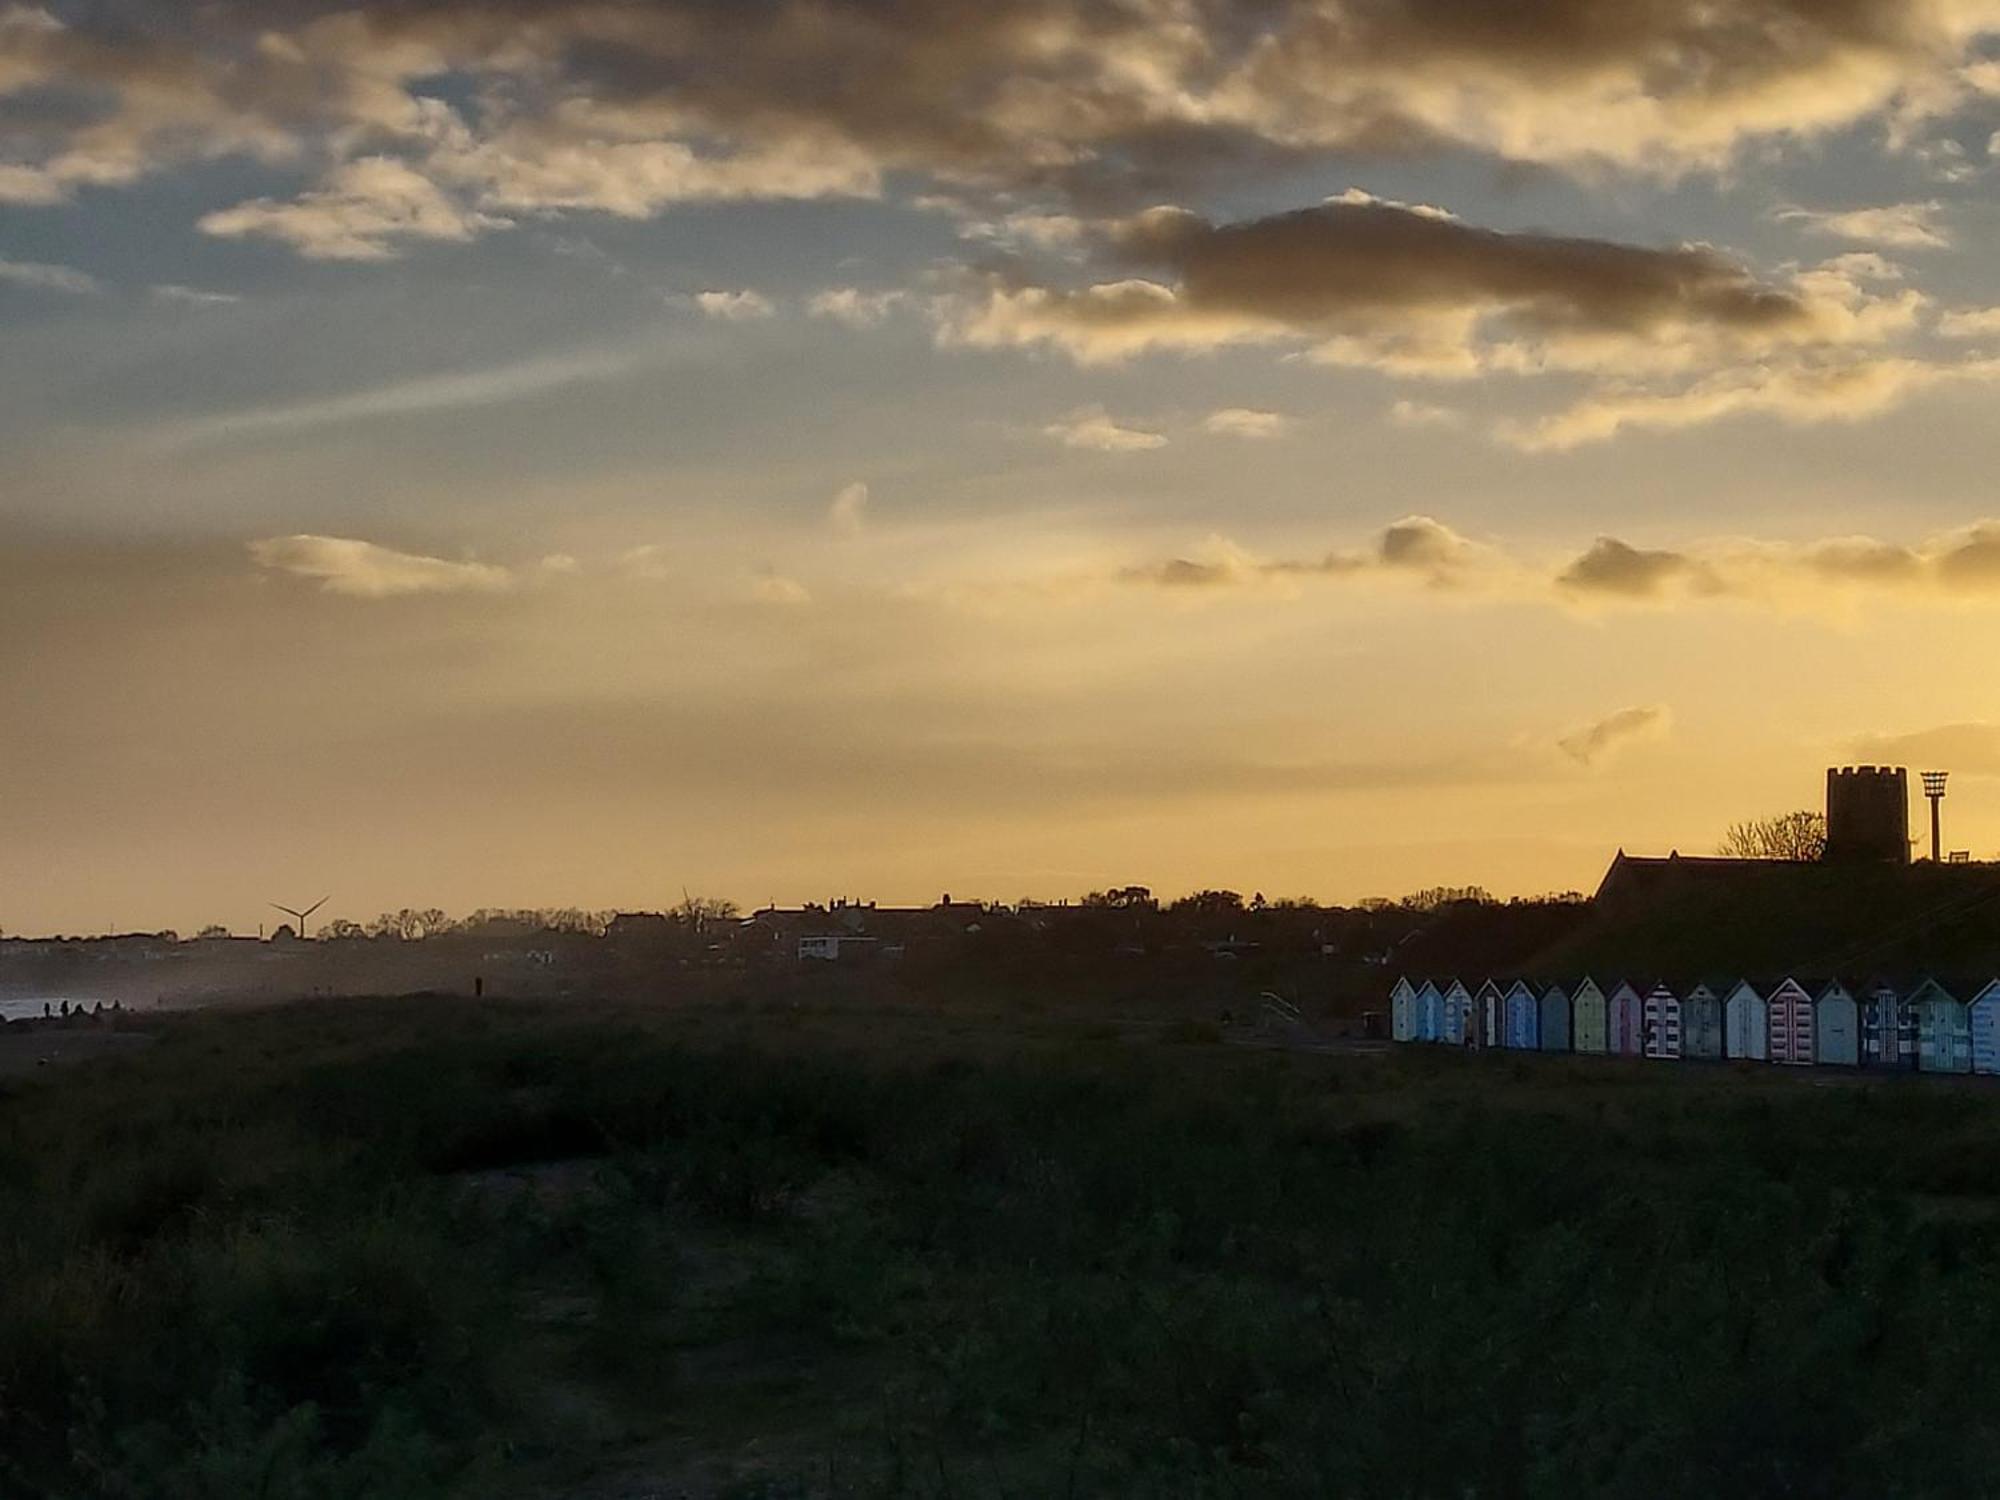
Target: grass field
x: 423, y: 1247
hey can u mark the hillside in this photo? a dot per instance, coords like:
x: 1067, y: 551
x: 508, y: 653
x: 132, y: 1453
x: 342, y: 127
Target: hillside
x: 1705, y: 919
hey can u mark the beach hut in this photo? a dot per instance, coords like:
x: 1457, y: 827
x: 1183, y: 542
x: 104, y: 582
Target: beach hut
x: 1457, y: 1025
x: 1888, y: 1030
x: 1402, y: 1011
x: 1744, y: 1031
x: 1836, y: 1028
x: 1555, y: 1020
x: 1589, y: 1019
x: 1490, y: 1014
x: 1628, y: 1022
x: 1701, y: 1023
x: 1662, y: 1017
x: 1944, y: 1037
x: 1524, y: 1018
x: 1983, y: 1016
x: 1788, y: 1021
x: 1430, y: 1012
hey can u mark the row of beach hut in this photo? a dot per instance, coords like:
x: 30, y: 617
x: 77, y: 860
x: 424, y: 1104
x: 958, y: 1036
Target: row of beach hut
x: 1925, y: 1028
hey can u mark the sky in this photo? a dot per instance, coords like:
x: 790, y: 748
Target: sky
x: 561, y: 452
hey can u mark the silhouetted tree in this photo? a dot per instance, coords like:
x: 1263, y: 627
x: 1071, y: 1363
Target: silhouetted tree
x: 1433, y: 897
x: 1124, y: 898
x: 698, y: 913
x: 1790, y: 836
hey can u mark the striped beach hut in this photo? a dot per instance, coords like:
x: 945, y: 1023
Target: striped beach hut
x: 1701, y: 1023
x: 1788, y: 1019
x: 1888, y: 1029
x: 1489, y: 1009
x: 1836, y: 1028
x: 1555, y: 1020
x: 1744, y: 1032
x: 1457, y: 1017
x: 1402, y: 1011
x: 1983, y: 1016
x: 1628, y: 1022
x: 1589, y: 1019
x: 1524, y: 1018
x: 1430, y: 1012
x: 1663, y: 1023
x: 1944, y: 1037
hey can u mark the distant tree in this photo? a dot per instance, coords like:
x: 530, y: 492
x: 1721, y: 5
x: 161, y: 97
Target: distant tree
x: 213, y: 930
x: 1798, y: 836
x: 699, y: 913
x: 1210, y: 903
x: 339, y: 928
x: 1124, y: 898
x: 1433, y: 897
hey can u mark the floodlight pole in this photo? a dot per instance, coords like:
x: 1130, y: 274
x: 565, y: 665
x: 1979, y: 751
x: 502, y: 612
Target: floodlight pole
x: 1934, y: 789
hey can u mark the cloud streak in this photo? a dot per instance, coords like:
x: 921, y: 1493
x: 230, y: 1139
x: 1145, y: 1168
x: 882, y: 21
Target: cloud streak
x: 1092, y: 428
x: 364, y: 570
x: 40, y: 277
x: 1595, y: 743
x: 1900, y: 226
x: 517, y: 381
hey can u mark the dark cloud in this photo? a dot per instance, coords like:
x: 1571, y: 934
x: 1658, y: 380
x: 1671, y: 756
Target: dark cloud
x: 1622, y: 570
x: 1104, y: 101
x: 1414, y: 290
x: 1313, y: 267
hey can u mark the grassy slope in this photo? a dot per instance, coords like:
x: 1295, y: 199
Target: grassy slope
x: 1797, y: 919
x: 414, y: 1248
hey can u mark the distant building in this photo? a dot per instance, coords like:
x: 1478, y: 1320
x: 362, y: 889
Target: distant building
x: 1867, y: 815
x: 834, y: 947
x: 1628, y: 1022
x: 1429, y: 1013
x: 1555, y: 1020
x: 1402, y: 1012
x: 1788, y: 1019
x: 1746, y: 1024
x: 1490, y: 1007
x: 1944, y: 1038
x: 1888, y: 1030
x: 1701, y: 1023
x: 1590, y: 1029
x: 1663, y: 1023
x: 1458, y: 1024
x: 1983, y: 1017
x: 1524, y: 1018
x: 1836, y: 1028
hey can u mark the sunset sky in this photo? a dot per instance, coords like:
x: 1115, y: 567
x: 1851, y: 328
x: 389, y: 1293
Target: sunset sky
x: 508, y: 452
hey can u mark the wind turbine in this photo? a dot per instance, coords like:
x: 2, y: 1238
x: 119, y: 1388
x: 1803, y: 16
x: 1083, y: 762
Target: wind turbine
x: 300, y: 916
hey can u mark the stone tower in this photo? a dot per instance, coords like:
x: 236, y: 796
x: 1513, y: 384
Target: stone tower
x: 1868, y: 815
